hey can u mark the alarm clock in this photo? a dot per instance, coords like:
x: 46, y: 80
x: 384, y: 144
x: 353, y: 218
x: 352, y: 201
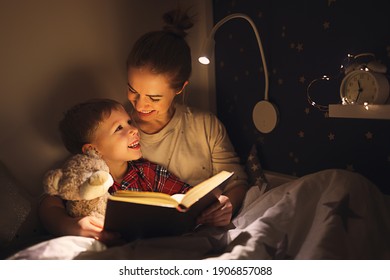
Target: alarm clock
x: 365, y: 86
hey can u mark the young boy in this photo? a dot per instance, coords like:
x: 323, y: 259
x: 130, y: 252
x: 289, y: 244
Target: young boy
x: 105, y: 126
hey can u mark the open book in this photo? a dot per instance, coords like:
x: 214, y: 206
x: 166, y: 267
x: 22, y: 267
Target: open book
x: 151, y: 214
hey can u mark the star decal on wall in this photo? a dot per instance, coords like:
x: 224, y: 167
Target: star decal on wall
x: 341, y: 209
x: 261, y: 69
x: 299, y: 47
x: 283, y: 34
x: 369, y: 135
x: 326, y: 25
x: 350, y: 167
x: 306, y: 47
x: 293, y: 157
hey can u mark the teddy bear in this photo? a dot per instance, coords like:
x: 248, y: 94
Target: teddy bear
x: 83, y: 182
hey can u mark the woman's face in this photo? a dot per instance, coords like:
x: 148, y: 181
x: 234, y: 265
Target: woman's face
x: 150, y: 94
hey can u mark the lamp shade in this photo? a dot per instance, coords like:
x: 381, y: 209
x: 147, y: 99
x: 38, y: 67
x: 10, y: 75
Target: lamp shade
x: 207, y: 48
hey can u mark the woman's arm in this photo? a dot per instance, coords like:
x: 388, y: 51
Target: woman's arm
x: 236, y: 196
x: 223, y: 154
x: 224, y: 157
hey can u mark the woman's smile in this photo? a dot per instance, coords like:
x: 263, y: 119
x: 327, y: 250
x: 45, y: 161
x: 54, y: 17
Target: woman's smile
x: 145, y: 113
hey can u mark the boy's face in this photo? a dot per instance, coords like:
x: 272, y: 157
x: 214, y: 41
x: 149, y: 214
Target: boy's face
x: 116, y: 139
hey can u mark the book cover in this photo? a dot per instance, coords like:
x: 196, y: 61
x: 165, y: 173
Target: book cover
x: 152, y: 214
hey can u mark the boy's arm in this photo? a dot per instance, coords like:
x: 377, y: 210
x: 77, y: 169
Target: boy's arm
x: 55, y: 219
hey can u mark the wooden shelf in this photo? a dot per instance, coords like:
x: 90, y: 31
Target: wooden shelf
x: 360, y: 111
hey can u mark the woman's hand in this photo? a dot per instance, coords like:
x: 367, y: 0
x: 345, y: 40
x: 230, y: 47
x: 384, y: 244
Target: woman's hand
x: 218, y: 214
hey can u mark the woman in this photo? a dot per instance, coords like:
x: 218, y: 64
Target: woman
x: 191, y: 144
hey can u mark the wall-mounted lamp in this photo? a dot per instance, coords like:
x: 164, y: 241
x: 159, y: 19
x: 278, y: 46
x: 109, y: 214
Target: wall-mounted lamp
x: 265, y: 115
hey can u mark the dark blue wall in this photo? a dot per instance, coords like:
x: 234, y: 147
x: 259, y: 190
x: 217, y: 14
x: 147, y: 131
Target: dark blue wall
x: 303, y: 40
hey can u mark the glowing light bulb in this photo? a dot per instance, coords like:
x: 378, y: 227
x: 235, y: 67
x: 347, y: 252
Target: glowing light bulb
x: 204, y: 60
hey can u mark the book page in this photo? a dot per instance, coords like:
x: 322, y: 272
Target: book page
x: 178, y: 197
x: 203, y: 188
x: 150, y: 198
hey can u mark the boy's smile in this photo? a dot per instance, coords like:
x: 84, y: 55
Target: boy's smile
x: 136, y: 145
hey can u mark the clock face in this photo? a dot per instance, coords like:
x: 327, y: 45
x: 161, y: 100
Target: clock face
x: 363, y: 87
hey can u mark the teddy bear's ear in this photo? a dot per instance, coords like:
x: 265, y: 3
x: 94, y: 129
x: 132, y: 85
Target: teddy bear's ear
x: 96, y: 185
x: 50, y: 181
x: 91, y: 151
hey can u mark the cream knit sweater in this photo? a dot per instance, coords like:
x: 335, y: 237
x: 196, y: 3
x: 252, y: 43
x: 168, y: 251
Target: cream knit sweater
x: 194, y: 146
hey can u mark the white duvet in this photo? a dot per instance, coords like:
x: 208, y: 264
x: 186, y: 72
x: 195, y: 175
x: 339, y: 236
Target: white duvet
x: 332, y: 214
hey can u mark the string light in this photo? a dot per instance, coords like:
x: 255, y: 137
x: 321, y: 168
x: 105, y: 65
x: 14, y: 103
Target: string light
x: 310, y: 100
x: 349, y: 63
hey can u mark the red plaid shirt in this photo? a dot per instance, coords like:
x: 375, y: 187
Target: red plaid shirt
x: 143, y: 175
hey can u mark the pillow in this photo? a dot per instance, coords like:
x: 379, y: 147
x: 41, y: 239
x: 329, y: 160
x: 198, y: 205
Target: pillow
x: 14, y: 208
x: 253, y: 168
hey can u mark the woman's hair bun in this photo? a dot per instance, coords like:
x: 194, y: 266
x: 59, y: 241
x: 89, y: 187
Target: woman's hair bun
x: 177, y: 22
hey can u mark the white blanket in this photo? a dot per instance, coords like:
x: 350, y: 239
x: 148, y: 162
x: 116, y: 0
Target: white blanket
x: 332, y: 214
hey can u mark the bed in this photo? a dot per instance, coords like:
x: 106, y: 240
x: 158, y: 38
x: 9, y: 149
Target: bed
x: 330, y: 214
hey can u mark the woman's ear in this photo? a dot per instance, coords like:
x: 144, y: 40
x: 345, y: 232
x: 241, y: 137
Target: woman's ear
x: 184, y: 85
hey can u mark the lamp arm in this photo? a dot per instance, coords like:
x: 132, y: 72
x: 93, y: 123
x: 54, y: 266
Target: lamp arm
x: 239, y: 15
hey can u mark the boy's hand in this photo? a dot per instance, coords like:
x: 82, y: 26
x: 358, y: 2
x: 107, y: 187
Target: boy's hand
x: 218, y: 214
x: 56, y: 220
x: 90, y: 226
